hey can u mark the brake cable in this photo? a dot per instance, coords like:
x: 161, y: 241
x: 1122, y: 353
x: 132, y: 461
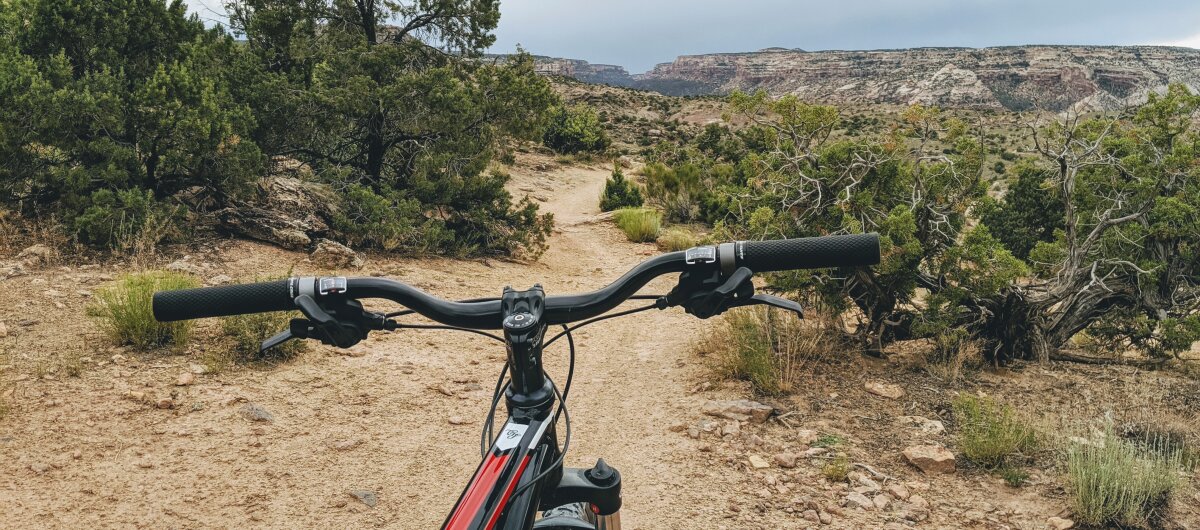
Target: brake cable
x: 502, y: 385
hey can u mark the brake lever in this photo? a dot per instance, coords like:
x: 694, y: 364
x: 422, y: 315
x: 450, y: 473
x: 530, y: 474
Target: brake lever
x: 775, y: 301
x: 298, y: 328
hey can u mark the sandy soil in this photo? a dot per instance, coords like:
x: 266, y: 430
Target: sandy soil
x: 78, y: 452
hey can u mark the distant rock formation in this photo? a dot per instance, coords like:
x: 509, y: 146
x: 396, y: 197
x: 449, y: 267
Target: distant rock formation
x: 1011, y: 77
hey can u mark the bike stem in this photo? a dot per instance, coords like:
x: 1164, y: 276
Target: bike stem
x: 524, y: 332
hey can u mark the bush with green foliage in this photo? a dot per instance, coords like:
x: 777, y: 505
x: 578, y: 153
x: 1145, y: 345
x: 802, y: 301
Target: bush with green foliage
x: 640, y: 225
x: 125, y: 310
x: 1114, y: 482
x: 620, y: 192
x: 111, y: 106
x: 1030, y: 213
x: 575, y: 129
x: 114, y: 113
x: 990, y: 433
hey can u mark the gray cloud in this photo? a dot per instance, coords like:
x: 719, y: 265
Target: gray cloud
x: 639, y: 33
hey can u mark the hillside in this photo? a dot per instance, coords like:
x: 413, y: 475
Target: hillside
x: 1014, y: 77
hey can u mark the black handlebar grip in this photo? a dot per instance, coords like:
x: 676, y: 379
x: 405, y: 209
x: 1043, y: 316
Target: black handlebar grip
x: 808, y: 252
x: 225, y: 300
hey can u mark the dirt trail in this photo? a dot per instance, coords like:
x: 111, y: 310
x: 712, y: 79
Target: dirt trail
x: 78, y: 452
x: 372, y: 420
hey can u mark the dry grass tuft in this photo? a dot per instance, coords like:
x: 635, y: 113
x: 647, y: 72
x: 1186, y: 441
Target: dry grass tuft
x: 769, y: 348
x: 641, y: 225
x: 124, y: 311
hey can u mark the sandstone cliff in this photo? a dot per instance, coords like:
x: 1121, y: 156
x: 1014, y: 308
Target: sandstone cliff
x: 1014, y: 77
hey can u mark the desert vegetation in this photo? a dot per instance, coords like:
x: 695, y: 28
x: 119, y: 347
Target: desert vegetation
x: 125, y: 121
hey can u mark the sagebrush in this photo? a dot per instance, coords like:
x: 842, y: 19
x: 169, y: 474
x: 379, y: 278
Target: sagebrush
x: 640, y: 225
x: 124, y: 310
x: 1115, y: 482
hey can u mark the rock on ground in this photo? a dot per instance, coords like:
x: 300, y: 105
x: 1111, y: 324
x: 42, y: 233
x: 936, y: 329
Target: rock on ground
x: 335, y: 255
x: 886, y: 390
x: 367, y: 497
x: 930, y: 458
x: 1058, y: 523
x: 253, y: 412
x: 739, y: 410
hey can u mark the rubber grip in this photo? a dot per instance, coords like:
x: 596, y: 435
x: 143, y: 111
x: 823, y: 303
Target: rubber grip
x: 808, y: 252
x: 221, y: 301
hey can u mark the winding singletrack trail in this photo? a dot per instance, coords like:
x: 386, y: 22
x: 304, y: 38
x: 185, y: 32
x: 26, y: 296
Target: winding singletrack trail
x: 81, y: 454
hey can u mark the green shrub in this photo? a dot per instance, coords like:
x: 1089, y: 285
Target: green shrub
x: 575, y: 129
x: 367, y: 218
x: 620, y: 192
x: 674, y: 239
x: 836, y: 470
x: 990, y: 433
x: 639, y: 224
x: 125, y: 219
x: 125, y: 312
x: 1116, y: 483
x: 247, y: 332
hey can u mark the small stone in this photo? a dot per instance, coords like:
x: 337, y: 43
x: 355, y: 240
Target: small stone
x: 165, y: 403
x: 919, y: 502
x: 345, y: 445
x: 1059, y: 523
x: 220, y: 279
x: 39, y: 467
x: 678, y: 427
x: 694, y: 433
x: 922, y: 425
x: 366, y: 497
x: 897, y: 490
x: 136, y: 395
x: 76, y: 454
x: 3, y: 330
x: 814, y: 451
x: 732, y: 428
x: 881, y: 501
x: 786, y: 460
x: 457, y: 420
x: 253, y: 412
x: 445, y: 390
x: 858, y: 500
x: 34, y: 255
x: 826, y: 518
x: 185, y: 379
x: 84, y: 293
x: 811, y: 515
x: 807, y: 436
x: 868, y: 485
x: 334, y: 255
x: 758, y: 462
x: 738, y: 410
x: 931, y: 458
x: 184, y: 267
x: 145, y: 464
x: 886, y: 390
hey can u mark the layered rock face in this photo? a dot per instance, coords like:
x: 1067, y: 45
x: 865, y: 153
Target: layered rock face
x: 606, y: 74
x: 1014, y: 78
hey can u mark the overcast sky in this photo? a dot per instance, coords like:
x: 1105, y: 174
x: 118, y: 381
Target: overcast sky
x: 637, y: 34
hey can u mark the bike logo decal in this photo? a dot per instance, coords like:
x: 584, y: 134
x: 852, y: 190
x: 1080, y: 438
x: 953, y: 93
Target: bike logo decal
x: 511, y: 436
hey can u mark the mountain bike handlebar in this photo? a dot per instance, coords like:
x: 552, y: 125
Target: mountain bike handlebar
x: 758, y: 256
